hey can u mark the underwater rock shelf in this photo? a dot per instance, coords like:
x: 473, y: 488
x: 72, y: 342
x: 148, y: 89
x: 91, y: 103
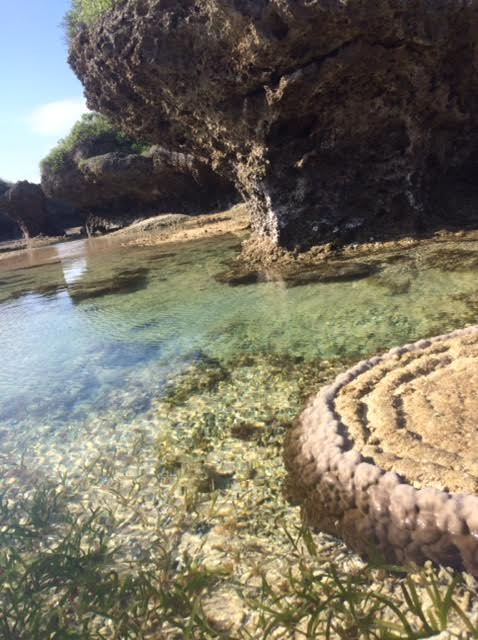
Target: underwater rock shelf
x: 386, y: 455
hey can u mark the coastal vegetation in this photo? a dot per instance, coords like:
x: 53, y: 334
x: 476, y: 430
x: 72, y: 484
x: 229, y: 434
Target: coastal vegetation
x: 60, y: 580
x: 91, y: 128
x: 86, y: 12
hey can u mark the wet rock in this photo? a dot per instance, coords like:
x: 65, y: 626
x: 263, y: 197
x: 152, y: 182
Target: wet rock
x: 395, y: 285
x: 331, y: 272
x: 117, y: 354
x: 220, y: 475
x: 451, y: 260
x: 128, y: 281
x: 204, y: 374
x: 26, y: 211
x: 9, y: 229
x: 4, y: 186
x: 235, y: 278
x: 338, y: 120
x: 246, y: 430
x: 299, y: 275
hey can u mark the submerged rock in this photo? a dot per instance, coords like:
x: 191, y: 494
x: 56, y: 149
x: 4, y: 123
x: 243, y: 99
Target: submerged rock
x: 385, y: 455
x: 123, y: 282
x: 297, y: 275
x: 338, y: 120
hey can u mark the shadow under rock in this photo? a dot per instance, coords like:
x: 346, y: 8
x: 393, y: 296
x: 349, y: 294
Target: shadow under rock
x: 124, y: 282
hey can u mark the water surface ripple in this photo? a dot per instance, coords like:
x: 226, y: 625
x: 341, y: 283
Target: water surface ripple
x: 91, y: 327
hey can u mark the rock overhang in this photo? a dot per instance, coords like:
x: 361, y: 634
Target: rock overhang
x: 323, y: 112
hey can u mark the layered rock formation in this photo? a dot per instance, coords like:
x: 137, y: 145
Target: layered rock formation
x: 113, y: 185
x: 338, y: 119
x: 386, y: 455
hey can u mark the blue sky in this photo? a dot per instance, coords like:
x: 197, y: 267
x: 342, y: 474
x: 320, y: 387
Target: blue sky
x: 40, y: 97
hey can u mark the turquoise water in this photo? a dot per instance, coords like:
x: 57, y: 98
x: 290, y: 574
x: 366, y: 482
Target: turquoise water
x: 144, y: 398
x: 90, y: 327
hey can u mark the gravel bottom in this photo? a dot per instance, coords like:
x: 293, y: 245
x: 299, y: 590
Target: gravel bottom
x: 201, y: 475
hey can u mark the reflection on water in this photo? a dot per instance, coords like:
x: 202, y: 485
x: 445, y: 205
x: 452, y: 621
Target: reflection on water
x: 123, y: 282
x: 91, y: 328
x: 74, y: 269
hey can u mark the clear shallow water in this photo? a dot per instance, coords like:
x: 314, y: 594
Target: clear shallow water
x: 100, y: 329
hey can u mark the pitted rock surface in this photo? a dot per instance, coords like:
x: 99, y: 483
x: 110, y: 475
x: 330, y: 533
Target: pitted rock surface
x: 112, y: 185
x: 338, y: 119
x: 387, y: 454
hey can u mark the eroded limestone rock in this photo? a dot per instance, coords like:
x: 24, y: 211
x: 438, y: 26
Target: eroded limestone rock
x: 114, y: 186
x: 338, y: 119
x: 386, y: 455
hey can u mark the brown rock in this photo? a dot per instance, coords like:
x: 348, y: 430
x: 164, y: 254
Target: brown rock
x: 224, y: 611
x: 114, y: 187
x: 337, y: 119
x: 26, y: 205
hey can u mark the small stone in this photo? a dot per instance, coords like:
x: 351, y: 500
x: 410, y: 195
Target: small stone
x: 224, y: 611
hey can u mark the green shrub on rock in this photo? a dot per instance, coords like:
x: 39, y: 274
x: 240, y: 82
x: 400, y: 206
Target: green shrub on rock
x: 92, y: 127
x: 86, y: 12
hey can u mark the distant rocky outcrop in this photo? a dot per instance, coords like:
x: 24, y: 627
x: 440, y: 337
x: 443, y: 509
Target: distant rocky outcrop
x: 26, y: 212
x: 25, y: 204
x: 338, y: 119
x: 9, y: 229
x: 112, y: 181
x: 4, y: 186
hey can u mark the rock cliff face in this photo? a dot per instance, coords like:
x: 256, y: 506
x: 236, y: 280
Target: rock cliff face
x: 111, y: 185
x: 338, y: 119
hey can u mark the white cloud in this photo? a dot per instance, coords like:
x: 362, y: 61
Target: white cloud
x: 56, y: 118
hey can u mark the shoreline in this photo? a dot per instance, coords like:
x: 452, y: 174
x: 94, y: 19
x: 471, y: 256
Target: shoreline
x: 176, y: 228
x: 258, y: 252
x: 166, y: 228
